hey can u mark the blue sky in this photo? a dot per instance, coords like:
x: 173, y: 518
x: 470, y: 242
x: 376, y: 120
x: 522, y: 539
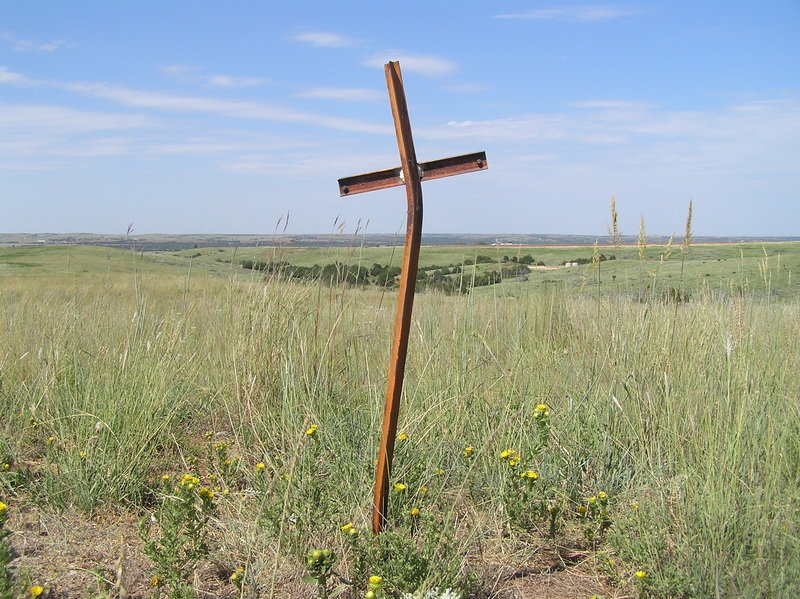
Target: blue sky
x: 226, y: 117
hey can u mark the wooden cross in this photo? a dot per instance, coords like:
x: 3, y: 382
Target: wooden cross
x: 410, y: 174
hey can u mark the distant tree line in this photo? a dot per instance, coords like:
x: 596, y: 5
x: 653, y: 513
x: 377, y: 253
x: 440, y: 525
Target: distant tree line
x: 449, y: 279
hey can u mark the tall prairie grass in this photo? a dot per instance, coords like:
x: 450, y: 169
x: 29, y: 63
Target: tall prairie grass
x: 687, y: 415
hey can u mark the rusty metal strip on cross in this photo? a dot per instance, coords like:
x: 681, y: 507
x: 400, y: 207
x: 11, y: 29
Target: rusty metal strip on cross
x: 411, y: 174
x: 393, y: 177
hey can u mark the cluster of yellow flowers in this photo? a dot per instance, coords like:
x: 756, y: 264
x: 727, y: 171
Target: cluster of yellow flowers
x: 238, y: 575
x: 312, y: 430
x: 188, y: 481
x: 375, y: 588
x: 510, y: 456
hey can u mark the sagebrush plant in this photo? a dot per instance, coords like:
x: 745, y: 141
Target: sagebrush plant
x: 417, y: 549
x: 320, y: 563
x: 526, y: 499
x: 596, y: 518
x: 181, y: 539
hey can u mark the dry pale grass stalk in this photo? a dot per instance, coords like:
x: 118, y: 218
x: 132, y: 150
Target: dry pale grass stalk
x: 641, y: 240
x: 613, y: 231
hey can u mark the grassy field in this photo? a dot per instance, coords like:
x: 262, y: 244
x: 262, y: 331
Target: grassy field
x: 174, y: 425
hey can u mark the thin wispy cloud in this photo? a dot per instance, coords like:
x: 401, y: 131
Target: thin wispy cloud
x: 429, y: 66
x: 323, y: 39
x: 21, y: 45
x: 163, y: 101
x: 749, y: 137
x: 63, y: 119
x: 188, y: 74
x: 343, y: 94
x: 465, y: 88
x: 577, y: 14
x: 10, y: 77
x: 243, y: 109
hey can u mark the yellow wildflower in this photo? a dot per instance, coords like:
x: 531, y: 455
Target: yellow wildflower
x: 347, y: 527
x: 260, y: 466
x: 438, y: 471
x: 423, y: 490
x: 508, y: 454
x: 155, y: 581
x: 312, y: 430
x: 50, y: 440
x: 399, y: 487
x: 3, y: 507
x: 529, y: 474
x: 541, y: 408
x: 36, y: 591
x: 209, y: 434
x: 206, y: 492
x: 189, y: 481
x: 468, y: 451
x: 82, y: 454
x: 375, y: 580
x: 414, y: 512
x: 402, y: 437
x: 641, y: 575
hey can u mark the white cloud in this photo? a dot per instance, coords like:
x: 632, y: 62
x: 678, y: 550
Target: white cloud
x: 188, y: 74
x: 430, y: 66
x: 325, y: 40
x: 343, y: 94
x: 243, y: 109
x: 10, y: 77
x: 61, y: 119
x: 609, y: 122
x: 576, y: 14
x: 229, y: 108
x: 20, y: 45
x: 465, y: 88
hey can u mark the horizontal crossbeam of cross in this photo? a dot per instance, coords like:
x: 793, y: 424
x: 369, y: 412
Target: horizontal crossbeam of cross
x: 393, y: 177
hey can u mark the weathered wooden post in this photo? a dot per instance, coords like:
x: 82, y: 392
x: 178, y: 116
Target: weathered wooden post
x: 411, y: 174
